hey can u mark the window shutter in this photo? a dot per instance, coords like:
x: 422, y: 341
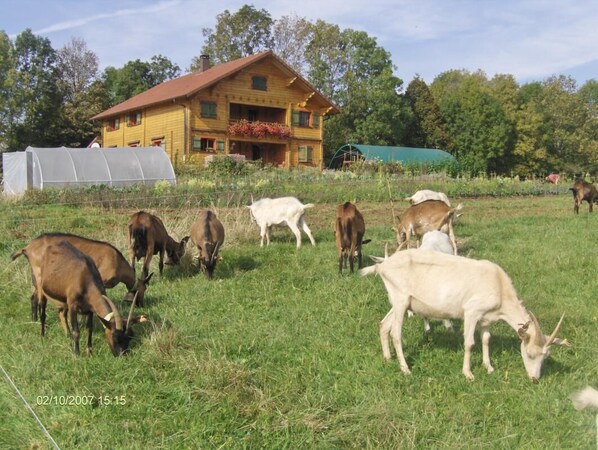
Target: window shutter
x: 302, y: 154
x: 295, y: 117
x: 316, y: 120
x: 220, y: 145
x: 309, y: 152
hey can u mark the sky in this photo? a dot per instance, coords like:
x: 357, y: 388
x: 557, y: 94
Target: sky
x: 529, y: 39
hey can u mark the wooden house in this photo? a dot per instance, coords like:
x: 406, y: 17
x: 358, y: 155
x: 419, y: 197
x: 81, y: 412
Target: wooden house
x: 256, y: 106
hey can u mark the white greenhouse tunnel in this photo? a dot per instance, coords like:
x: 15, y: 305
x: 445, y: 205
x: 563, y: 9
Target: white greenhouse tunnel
x: 42, y: 168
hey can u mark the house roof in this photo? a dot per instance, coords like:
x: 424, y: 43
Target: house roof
x: 390, y: 154
x: 188, y: 85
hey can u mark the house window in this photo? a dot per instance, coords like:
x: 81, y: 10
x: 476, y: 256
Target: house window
x: 301, y: 118
x: 306, y: 153
x: 159, y: 143
x: 204, y: 144
x: 208, y: 109
x: 113, y: 124
x: 259, y: 82
x: 134, y: 119
x: 304, y: 118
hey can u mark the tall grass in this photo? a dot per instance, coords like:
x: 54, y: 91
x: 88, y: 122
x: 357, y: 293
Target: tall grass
x: 279, y: 351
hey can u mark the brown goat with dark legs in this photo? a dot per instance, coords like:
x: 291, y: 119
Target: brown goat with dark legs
x: 110, y: 262
x: 70, y: 280
x: 427, y: 216
x: 582, y: 190
x: 349, y: 230
x: 208, y: 234
x: 148, y: 237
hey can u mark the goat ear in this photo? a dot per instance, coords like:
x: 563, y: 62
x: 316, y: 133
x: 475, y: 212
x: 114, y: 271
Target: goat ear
x: 185, y: 240
x: 138, y: 319
x: 559, y: 341
x: 367, y: 241
x: 522, y: 332
x: 376, y: 259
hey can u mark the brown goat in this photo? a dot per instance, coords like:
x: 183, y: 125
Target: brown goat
x: 427, y: 216
x: 148, y: 237
x: 208, y: 234
x: 582, y: 190
x: 110, y: 262
x: 349, y: 230
x: 70, y: 280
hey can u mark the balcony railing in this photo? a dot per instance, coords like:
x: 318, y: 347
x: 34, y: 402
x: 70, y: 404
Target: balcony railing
x: 257, y: 129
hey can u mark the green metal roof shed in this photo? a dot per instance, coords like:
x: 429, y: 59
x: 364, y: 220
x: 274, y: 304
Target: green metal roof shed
x: 352, y: 152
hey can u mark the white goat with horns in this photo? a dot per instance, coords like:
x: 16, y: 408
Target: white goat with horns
x: 441, y: 286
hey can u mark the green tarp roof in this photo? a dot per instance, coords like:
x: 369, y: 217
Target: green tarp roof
x: 349, y: 152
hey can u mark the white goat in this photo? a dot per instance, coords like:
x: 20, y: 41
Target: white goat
x: 452, y: 287
x: 434, y: 241
x: 587, y: 397
x: 279, y: 211
x: 426, y: 194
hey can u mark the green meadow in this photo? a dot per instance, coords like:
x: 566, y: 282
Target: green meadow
x: 280, y: 351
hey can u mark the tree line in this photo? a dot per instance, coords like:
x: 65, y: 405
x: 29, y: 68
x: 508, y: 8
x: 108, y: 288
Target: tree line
x: 489, y: 124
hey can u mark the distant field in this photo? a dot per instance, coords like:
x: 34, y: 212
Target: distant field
x: 279, y: 351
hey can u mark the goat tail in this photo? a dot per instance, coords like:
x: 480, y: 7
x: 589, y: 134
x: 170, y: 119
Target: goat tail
x: 367, y: 270
x: 16, y: 254
x: 587, y: 397
x: 309, y: 205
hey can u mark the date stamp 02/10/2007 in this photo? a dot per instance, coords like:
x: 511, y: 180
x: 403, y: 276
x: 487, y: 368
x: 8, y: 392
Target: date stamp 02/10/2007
x: 81, y: 400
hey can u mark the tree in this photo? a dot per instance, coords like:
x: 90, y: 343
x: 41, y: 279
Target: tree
x: 291, y: 37
x: 357, y: 74
x: 77, y: 67
x: 475, y: 120
x: 244, y: 33
x: 136, y: 77
x: 7, y: 105
x: 426, y: 128
x: 36, y: 93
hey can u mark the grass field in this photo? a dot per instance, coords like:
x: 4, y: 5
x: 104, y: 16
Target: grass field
x: 280, y: 351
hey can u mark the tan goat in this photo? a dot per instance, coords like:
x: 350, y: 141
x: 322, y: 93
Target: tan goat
x: 70, y: 280
x: 427, y: 216
x: 110, y: 262
x: 148, y: 237
x: 582, y: 190
x: 208, y: 234
x: 349, y: 230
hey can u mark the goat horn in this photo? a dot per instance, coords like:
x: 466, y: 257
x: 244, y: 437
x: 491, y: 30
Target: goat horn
x: 538, y: 335
x: 117, y: 317
x: 386, y: 250
x: 131, y: 310
x: 556, y: 330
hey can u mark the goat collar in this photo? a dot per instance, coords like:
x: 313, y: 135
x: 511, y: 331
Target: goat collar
x: 108, y: 318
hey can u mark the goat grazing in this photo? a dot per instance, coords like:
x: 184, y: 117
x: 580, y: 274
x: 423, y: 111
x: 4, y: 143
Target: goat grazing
x: 279, y: 211
x: 349, y: 230
x: 427, y: 216
x: 582, y: 190
x: 208, y: 234
x: 110, y: 262
x: 70, y: 280
x: 426, y: 194
x: 452, y: 287
x: 148, y: 237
